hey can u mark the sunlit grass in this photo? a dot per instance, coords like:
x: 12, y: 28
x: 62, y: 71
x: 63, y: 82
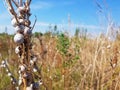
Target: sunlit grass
x: 83, y: 65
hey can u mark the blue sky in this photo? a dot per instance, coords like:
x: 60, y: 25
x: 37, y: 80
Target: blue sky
x: 82, y: 13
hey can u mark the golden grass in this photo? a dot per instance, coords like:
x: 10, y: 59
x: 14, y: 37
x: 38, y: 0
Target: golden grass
x: 89, y: 64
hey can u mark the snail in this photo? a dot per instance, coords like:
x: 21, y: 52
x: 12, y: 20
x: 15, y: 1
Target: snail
x: 3, y: 62
x: 17, y: 50
x: 21, y: 9
x: 35, y: 70
x: 28, y: 9
x: 31, y: 62
x: 22, y: 68
x: 34, y: 58
x: 19, y: 29
x: 14, y: 22
x: 21, y: 21
x: 29, y: 87
x: 20, y: 82
x: 27, y: 31
x: 18, y: 38
x: 27, y: 23
x: 9, y: 74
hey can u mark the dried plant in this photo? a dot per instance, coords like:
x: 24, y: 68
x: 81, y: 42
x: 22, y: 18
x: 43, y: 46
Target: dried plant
x: 28, y: 70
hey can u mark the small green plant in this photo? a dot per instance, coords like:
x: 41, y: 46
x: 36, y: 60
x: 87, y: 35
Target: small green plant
x: 63, y: 44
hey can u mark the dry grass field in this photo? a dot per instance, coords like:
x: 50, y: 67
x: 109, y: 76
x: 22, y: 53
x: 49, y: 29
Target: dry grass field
x: 68, y: 63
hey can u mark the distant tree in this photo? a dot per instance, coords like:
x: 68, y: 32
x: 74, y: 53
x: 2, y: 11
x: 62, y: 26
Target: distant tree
x: 77, y: 31
x: 55, y: 32
x: 55, y: 28
x: 83, y: 33
x: 37, y: 34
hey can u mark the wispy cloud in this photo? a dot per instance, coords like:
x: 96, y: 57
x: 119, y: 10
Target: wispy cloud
x: 40, y: 5
x: 73, y: 26
x: 43, y: 26
x: 63, y: 27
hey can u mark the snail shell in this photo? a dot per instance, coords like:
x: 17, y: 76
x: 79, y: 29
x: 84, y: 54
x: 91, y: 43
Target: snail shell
x: 20, y: 82
x: 22, y: 68
x: 34, y: 70
x: 9, y: 74
x: 21, y: 9
x: 27, y: 22
x: 27, y: 31
x: 19, y: 29
x: 28, y: 9
x: 17, y: 50
x: 14, y: 22
x: 22, y: 21
x: 29, y: 87
x: 18, y: 38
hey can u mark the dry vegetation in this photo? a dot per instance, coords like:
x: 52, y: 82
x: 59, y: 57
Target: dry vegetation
x: 67, y: 63
x: 77, y: 63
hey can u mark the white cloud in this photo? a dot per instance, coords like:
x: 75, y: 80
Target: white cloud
x: 93, y: 27
x: 42, y: 24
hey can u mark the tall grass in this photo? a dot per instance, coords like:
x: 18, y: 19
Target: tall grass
x: 81, y: 64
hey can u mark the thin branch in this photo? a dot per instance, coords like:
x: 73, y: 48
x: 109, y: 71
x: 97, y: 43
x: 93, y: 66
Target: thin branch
x: 21, y: 3
x: 15, y: 3
x: 29, y: 2
x: 98, y: 4
x: 34, y: 23
x: 13, y: 12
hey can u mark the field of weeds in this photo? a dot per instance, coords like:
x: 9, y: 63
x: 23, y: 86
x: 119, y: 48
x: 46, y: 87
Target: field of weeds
x: 68, y: 63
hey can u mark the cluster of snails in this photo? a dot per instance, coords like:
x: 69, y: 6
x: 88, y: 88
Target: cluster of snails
x: 21, y: 24
x: 24, y: 73
x: 27, y: 61
x: 22, y: 70
x: 4, y: 65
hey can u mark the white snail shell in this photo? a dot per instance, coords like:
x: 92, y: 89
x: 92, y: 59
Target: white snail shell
x: 7, y: 70
x: 27, y: 22
x: 35, y: 59
x: 30, y: 87
x: 40, y: 82
x: 34, y: 70
x: 20, y: 82
x: 11, y: 79
x: 18, y: 38
x: 27, y: 31
x: 19, y: 71
x: 22, y: 21
x: 3, y: 62
x: 22, y: 68
x: 9, y: 8
x: 19, y: 28
x: 28, y: 8
x: 17, y: 49
x: 31, y: 62
x: 14, y: 22
x: 9, y: 74
x: 21, y: 9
